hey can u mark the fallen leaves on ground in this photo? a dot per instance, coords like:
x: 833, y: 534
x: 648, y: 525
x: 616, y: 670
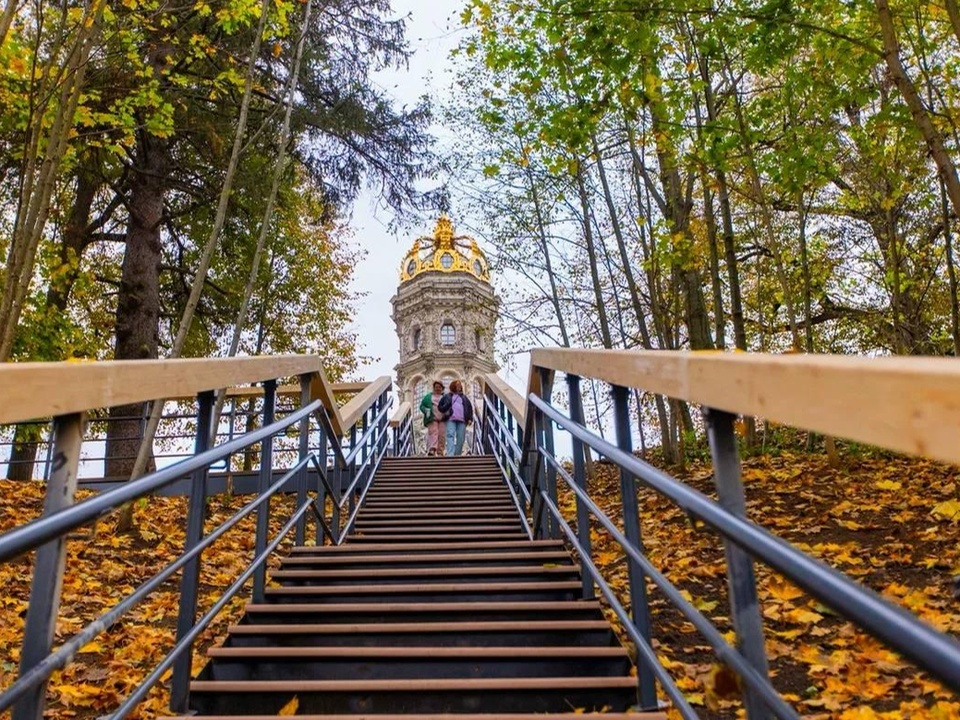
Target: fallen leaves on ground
x: 105, y: 567
x: 893, y: 524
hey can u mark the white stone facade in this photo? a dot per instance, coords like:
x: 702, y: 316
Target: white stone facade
x: 446, y: 323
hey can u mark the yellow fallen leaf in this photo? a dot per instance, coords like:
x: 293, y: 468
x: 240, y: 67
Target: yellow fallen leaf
x: 291, y: 707
x: 948, y: 510
x: 888, y: 485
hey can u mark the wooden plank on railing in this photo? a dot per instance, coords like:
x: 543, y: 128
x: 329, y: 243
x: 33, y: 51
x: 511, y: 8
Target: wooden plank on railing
x: 351, y: 412
x: 400, y: 414
x: 38, y: 390
x: 510, y: 397
x: 911, y: 405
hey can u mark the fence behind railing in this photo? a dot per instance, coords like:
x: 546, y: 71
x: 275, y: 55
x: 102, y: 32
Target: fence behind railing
x: 336, y: 459
x: 911, y: 405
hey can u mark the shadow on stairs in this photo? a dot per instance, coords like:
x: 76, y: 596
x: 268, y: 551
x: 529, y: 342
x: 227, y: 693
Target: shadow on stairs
x: 437, y: 606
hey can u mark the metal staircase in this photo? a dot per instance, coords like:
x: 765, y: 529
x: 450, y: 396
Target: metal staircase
x: 438, y: 603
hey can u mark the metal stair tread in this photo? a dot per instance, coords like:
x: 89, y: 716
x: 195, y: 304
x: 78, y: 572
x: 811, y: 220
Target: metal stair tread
x: 393, y: 547
x: 424, y: 587
x: 435, y: 716
x: 418, y: 685
x: 501, y: 606
x: 417, y: 627
x: 428, y: 572
x: 426, y: 558
x: 553, y: 651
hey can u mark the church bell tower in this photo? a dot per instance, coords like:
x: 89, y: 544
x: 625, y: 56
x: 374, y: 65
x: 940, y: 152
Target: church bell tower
x: 445, y: 312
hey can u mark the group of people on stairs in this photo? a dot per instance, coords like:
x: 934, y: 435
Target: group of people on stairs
x: 446, y: 416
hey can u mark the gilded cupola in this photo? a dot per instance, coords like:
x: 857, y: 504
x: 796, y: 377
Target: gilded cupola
x: 444, y: 252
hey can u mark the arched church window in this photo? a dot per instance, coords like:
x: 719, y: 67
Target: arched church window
x: 478, y: 267
x: 416, y: 339
x: 411, y: 267
x: 448, y: 335
x: 478, y: 339
x: 446, y: 379
x: 419, y: 390
x: 446, y: 260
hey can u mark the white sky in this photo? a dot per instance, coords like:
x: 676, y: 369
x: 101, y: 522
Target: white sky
x: 433, y: 30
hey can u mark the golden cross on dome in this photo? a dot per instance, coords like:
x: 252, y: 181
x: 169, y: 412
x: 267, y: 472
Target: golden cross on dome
x: 443, y: 233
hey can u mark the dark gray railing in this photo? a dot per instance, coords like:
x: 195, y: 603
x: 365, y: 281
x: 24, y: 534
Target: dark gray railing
x: 528, y: 460
x: 344, y: 464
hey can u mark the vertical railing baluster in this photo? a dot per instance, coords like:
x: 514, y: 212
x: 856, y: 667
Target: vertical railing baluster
x: 48, y: 462
x: 66, y: 435
x: 190, y: 578
x: 741, y: 579
x: 631, y: 528
x: 580, y: 478
x: 551, y: 525
x: 352, y: 470
x: 266, y: 479
x: 300, y: 534
x: 323, y: 468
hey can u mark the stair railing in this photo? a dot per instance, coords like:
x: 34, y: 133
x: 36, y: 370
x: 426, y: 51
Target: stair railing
x: 402, y: 425
x: 357, y: 435
x: 909, y: 405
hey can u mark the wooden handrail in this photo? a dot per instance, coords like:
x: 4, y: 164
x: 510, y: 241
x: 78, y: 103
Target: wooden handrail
x: 400, y: 414
x: 351, y: 412
x: 38, y: 390
x: 35, y: 390
x: 910, y: 405
x: 512, y: 400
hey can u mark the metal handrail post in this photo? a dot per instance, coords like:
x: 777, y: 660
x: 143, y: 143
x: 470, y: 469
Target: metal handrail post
x: 580, y: 478
x: 266, y: 478
x: 300, y: 533
x: 631, y: 528
x: 550, y: 471
x: 190, y: 578
x: 41, y: 620
x: 322, y: 468
x: 352, y: 470
x: 48, y: 462
x: 741, y: 578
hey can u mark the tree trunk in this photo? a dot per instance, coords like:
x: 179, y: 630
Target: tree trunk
x: 23, y: 453
x: 951, y: 271
x: 605, y: 336
x: 921, y: 117
x: 138, y: 301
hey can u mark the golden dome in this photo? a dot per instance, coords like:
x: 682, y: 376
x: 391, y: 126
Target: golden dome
x: 445, y: 252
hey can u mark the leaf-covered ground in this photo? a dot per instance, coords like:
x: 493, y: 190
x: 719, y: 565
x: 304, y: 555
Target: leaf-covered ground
x: 104, y: 568
x: 891, y: 523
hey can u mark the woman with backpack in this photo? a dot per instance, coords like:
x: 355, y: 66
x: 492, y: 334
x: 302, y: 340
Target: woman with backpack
x: 458, y: 412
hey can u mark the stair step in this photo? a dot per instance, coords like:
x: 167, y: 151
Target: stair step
x: 474, y: 633
x: 389, y: 612
x: 415, y: 696
x: 404, y: 652
x: 396, y: 559
x: 422, y: 716
x: 427, y: 547
x: 432, y: 512
x: 477, y: 591
x: 363, y: 523
x: 388, y: 577
x: 412, y: 662
x: 381, y: 537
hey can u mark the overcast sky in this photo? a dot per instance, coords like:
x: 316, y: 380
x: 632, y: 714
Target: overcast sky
x: 433, y: 30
